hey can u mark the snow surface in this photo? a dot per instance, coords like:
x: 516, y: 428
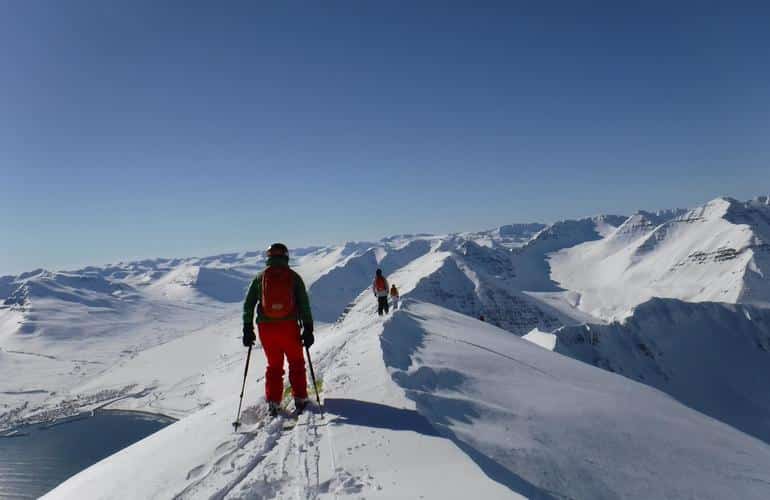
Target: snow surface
x: 416, y: 404
x: 543, y: 339
x: 370, y: 442
x: 719, y: 252
x: 436, y: 404
x: 712, y: 357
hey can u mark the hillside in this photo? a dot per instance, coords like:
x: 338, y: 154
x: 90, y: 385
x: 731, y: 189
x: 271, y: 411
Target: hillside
x: 713, y: 357
x: 719, y: 252
x: 414, y: 408
x: 676, y: 300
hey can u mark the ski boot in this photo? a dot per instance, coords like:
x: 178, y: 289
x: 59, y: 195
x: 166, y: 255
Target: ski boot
x: 299, y: 405
x: 273, y: 408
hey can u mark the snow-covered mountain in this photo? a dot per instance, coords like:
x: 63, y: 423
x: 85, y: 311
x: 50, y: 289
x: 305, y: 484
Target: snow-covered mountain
x: 718, y: 252
x: 677, y: 300
x: 434, y: 404
x: 713, y: 357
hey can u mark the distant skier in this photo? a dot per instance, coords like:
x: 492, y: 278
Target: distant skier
x: 380, y: 289
x: 394, y: 296
x: 280, y: 297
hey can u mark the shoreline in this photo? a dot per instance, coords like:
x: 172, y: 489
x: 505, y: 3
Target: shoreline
x: 23, y: 430
x: 118, y: 411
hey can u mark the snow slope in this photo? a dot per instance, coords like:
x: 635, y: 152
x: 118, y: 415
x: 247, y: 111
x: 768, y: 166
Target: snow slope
x: 420, y: 399
x: 717, y: 252
x: 369, y: 443
x: 434, y: 404
x: 712, y: 357
x: 114, y: 313
x: 82, y: 327
x: 560, y: 425
x: 509, y: 236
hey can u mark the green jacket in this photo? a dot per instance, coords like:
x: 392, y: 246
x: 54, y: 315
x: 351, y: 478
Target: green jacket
x: 254, y: 296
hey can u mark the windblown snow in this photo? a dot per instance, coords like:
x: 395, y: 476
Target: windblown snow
x: 619, y: 357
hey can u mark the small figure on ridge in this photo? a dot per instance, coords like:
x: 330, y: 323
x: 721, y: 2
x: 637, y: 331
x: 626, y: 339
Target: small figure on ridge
x: 380, y: 289
x: 394, y: 296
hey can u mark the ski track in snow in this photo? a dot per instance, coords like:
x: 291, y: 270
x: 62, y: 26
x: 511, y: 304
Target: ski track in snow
x: 249, y: 451
x: 268, y: 462
x: 33, y: 354
x: 287, y: 464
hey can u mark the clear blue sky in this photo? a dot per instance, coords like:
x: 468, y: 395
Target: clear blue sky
x: 177, y: 128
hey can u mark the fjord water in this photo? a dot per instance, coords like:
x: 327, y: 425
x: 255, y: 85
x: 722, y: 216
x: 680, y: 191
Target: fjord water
x: 42, y: 456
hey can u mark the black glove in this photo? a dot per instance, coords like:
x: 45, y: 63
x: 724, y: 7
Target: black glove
x: 248, y: 335
x: 307, y: 335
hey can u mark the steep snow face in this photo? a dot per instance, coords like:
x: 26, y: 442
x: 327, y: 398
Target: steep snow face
x: 400, y: 256
x: 334, y: 290
x: 224, y: 285
x: 473, y: 280
x: 312, y: 265
x: 717, y: 252
x: 342, y: 281
x: 508, y: 236
x: 543, y: 424
x: 714, y: 358
x: 457, y: 272
x: 641, y: 224
x: 533, y: 272
x: 510, y: 288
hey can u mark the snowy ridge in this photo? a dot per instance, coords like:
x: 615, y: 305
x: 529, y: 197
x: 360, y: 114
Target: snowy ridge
x: 534, y: 271
x: 413, y: 408
x: 509, y: 236
x: 717, y: 252
x: 677, y: 300
x: 493, y: 393
x: 370, y: 443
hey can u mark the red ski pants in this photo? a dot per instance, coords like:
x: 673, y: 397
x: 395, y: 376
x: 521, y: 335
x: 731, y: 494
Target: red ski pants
x: 279, y: 339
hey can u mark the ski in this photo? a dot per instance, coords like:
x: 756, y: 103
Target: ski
x: 257, y: 418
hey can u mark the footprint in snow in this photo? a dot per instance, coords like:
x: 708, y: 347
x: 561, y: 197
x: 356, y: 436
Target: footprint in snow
x: 195, y: 472
x: 343, y: 483
x: 251, y: 415
x: 225, y: 447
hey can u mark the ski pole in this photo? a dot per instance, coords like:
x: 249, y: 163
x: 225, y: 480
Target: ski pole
x: 312, y: 377
x: 243, y: 388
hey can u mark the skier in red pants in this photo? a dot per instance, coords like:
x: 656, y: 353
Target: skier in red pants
x: 281, y: 300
